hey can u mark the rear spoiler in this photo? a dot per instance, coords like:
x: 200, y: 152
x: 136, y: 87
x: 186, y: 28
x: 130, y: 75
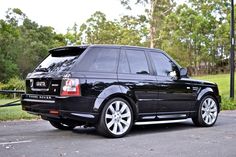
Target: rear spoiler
x: 73, y: 50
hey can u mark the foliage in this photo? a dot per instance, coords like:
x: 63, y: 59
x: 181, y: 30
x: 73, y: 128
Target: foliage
x: 195, y: 33
x: 156, y: 11
x: 128, y: 31
x: 13, y: 83
x: 24, y: 44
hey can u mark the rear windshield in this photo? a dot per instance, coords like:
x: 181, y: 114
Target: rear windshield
x: 60, y: 60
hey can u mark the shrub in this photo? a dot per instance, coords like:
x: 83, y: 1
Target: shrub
x: 12, y: 84
x: 228, y: 104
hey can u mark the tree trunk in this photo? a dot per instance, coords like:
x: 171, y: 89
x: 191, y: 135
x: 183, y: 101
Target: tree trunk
x: 152, y: 28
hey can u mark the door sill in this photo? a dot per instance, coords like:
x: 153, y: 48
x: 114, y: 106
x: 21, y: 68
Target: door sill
x: 161, y: 122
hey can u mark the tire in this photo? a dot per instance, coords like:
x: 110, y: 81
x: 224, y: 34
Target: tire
x: 116, y: 118
x: 207, y: 112
x: 62, y: 126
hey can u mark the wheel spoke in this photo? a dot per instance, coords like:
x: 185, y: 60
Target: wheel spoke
x: 120, y: 127
x: 108, y: 116
x: 204, y: 115
x: 209, y: 119
x: 123, y: 108
x: 117, y: 105
x: 125, y: 115
x: 110, y: 123
x: 209, y: 102
x: 124, y: 122
x: 111, y: 108
x: 212, y: 104
x: 213, y: 110
x: 213, y: 115
x: 204, y: 109
x: 115, y: 128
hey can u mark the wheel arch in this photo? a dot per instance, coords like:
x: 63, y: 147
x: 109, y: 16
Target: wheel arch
x: 204, y: 92
x: 115, y: 92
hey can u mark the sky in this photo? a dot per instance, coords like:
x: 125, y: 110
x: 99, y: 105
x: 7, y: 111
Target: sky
x: 61, y: 14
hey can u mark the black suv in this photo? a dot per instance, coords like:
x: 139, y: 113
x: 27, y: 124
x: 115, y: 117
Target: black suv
x: 113, y: 87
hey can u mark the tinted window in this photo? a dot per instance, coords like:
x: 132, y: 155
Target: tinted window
x: 137, y: 62
x: 100, y: 60
x: 123, y: 64
x: 162, y: 64
x: 60, y: 60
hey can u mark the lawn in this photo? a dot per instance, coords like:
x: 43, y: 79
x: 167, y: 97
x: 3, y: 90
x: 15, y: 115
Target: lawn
x: 14, y: 112
x: 223, y: 82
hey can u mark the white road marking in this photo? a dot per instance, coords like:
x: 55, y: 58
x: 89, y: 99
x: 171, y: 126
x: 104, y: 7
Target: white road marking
x: 16, y: 142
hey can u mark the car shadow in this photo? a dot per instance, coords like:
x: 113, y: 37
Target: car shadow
x: 143, y: 129
x: 158, y: 128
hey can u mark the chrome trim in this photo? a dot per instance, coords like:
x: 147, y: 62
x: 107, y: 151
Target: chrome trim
x: 172, y: 116
x: 149, y: 117
x: 160, y: 122
x: 148, y: 99
x: 40, y: 90
x: 83, y: 115
x: 40, y: 101
x: 55, y: 85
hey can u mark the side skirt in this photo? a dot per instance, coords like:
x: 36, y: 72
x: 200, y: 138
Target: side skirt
x: 165, y: 116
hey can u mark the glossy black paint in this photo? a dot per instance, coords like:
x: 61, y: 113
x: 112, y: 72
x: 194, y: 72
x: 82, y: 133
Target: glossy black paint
x: 151, y: 96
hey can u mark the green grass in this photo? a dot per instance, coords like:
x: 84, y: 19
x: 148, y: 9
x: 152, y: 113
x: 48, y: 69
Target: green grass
x: 13, y: 112
x: 223, y: 82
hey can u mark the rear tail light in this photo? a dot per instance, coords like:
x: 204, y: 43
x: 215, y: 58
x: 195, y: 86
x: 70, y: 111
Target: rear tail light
x: 70, y: 87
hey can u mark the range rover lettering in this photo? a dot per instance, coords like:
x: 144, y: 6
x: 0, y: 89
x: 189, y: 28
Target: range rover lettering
x: 113, y: 87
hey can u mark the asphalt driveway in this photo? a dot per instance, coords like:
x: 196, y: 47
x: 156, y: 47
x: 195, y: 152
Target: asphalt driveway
x: 39, y: 139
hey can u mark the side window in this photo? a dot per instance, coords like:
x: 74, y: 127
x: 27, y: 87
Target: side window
x: 137, y: 62
x: 162, y: 64
x: 99, y: 60
x: 123, y: 64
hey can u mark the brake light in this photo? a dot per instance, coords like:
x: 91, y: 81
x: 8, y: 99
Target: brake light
x: 70, y: 87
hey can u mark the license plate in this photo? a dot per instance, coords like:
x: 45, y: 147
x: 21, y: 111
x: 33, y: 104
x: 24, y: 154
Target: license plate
x: 40, y: 84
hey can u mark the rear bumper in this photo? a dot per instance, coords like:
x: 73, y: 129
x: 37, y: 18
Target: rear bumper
x: 64, y: 108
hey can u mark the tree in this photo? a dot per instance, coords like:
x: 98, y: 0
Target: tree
x: 128, y: 31
x: 24, y: 44
x: 156, y: 11
x: 73, y: 36
x: 201, y: 29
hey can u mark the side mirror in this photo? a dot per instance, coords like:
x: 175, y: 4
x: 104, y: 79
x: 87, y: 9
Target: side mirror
x: 173, y: 75
x: 183, y: 72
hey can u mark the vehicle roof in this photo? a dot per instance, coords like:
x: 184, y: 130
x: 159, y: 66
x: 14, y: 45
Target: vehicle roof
x: 98, y: 45
x: 83, y: 47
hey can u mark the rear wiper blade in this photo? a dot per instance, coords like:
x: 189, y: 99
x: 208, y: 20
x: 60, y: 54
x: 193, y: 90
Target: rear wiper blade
x: 42, y: 69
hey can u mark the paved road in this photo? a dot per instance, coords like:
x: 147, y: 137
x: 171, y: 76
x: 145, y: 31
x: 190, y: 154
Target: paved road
x: 39, y: 139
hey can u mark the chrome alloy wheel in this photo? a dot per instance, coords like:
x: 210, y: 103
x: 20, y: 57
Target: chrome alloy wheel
x: 209, y: 111
x: 118, y: 117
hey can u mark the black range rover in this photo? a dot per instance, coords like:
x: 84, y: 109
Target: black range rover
x: 113, y: 87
